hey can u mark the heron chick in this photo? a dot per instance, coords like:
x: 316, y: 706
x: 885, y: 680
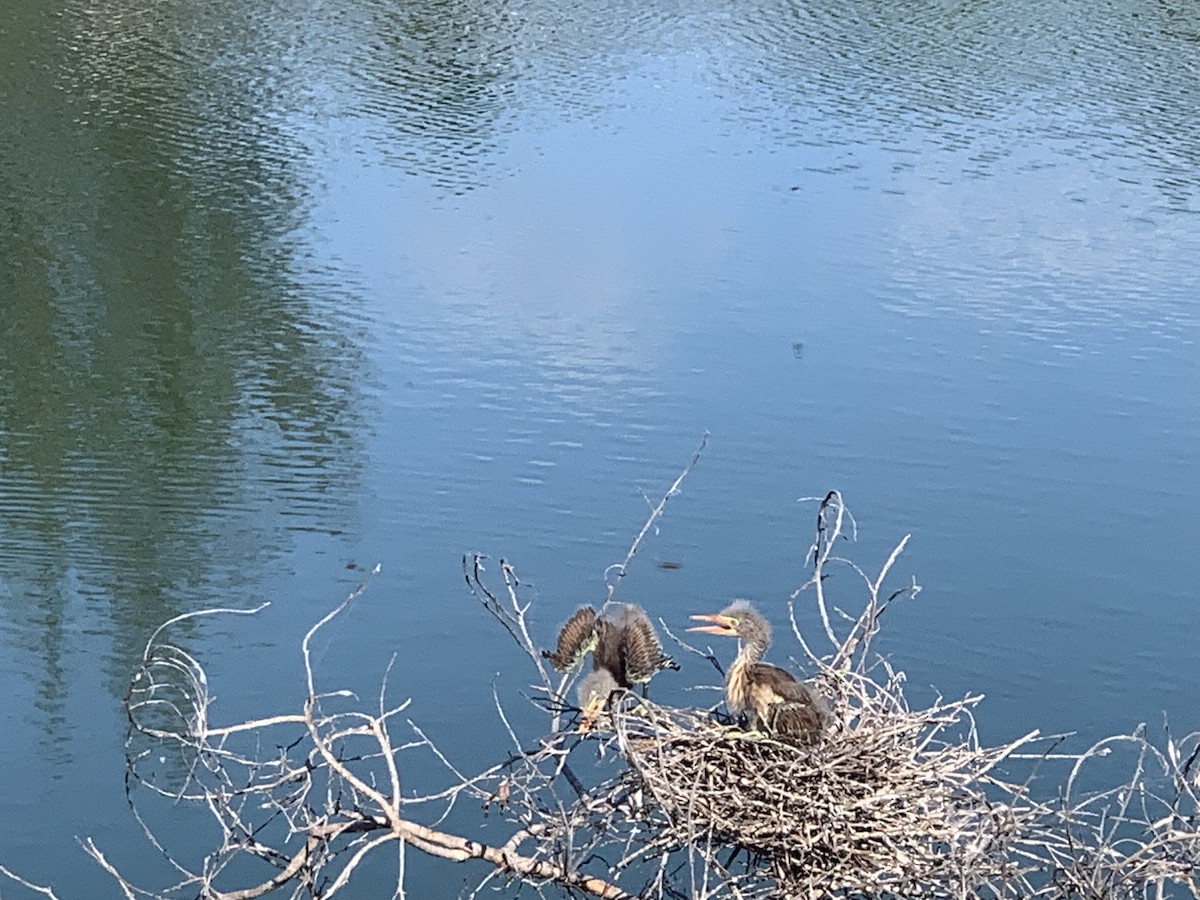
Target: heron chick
x: 622, y: 643
x: 774, y: 701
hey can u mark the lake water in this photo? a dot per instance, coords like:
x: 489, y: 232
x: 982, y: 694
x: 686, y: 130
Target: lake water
x: 292, y: 288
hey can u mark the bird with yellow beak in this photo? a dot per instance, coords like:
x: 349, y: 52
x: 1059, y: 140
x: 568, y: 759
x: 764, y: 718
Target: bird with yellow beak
x: 772, y: 699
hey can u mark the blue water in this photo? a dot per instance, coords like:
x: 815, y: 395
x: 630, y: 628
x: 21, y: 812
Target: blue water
x: 303, y: 290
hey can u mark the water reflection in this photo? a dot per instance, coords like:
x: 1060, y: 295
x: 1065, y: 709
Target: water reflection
x: 451, y: 80
x: 981, y: 82
x: 176, y: 365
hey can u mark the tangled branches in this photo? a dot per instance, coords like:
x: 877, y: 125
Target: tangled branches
x: 655, y: 801
x: 868, y: 810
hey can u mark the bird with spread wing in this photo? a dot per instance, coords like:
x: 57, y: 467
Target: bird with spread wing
x: 625, y: 652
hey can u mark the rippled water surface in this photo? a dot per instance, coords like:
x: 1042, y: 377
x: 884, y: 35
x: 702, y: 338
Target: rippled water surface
x: 292, y: 288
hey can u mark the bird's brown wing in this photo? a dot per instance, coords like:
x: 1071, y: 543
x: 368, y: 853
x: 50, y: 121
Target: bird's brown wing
x: 575, y: 639
x: 609, y: 653
x: 643, y: 653
x: 785, y: 706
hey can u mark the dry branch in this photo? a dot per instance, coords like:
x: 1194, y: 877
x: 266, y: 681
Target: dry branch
x: 894, y: 801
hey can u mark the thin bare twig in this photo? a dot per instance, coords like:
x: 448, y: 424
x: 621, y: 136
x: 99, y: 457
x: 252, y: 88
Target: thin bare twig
x: 614, y: 573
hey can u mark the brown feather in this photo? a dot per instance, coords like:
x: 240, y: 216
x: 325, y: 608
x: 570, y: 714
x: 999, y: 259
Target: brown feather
x: 628, y: 648
x: 623, y: 644
x: 575, y: 639
x: 784, y: 706
x: 643, y: 653
x: 607, y: 654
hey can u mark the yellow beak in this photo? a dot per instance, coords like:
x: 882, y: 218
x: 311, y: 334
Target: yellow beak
x: 721, y: 624
x: 590, y: 713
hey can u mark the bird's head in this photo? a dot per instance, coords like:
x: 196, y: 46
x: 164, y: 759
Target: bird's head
x: 739, y: 620
x: 594, y: 693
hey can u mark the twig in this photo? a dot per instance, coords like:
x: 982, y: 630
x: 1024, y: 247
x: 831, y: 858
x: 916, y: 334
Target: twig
x: 614, y: 573
x: 44, y: 891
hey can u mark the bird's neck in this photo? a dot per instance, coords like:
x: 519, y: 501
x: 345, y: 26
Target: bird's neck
x: 751, y: 652
x: 737, y: 685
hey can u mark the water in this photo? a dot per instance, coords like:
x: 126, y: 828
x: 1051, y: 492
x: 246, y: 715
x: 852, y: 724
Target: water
x: 293, y: 289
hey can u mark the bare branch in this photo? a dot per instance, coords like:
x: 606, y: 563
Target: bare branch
x: 614, y: 573
x: 649, y: 801
x: 44, y: 891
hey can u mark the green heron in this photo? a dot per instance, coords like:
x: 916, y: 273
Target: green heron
x: 622, y: 643
x: 774, y: 701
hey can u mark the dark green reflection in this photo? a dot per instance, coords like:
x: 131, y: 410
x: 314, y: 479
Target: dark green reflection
x: 174, y: 393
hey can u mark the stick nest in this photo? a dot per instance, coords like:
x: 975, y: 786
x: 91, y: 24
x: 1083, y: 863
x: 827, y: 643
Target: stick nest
x: 881, y: 803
